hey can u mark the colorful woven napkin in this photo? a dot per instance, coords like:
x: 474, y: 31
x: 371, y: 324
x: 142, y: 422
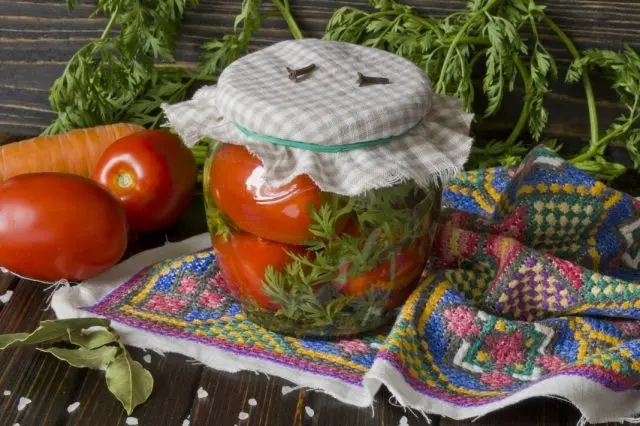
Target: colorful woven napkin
x: 535, y: 293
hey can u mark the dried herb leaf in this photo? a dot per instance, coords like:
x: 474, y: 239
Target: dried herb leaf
x: 84, y: 358
x: 129, y: 381
x: 92, y: 340
x: 50, y: 332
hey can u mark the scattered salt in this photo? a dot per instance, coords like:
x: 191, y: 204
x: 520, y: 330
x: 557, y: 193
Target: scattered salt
x: 22, y: 404
x: 73, y: 407
x: 6, y: 393
x: 253, y: 402
x: 131, y: 421
x: 6, y: 297
x: 403, y: 421
x: 202, y: 393
x: 309, y: 411
x: 147, y: 358
x: 243, y: 416
x: 286, y: 389
x: 186, y: 422
x: 16, y: 424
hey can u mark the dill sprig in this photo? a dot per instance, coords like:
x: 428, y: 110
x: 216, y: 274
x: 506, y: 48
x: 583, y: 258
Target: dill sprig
x: 130, y: 71
x: 387, y: 220
x: 622, y: 69
x: 448, y: 50
x: 106, y: 77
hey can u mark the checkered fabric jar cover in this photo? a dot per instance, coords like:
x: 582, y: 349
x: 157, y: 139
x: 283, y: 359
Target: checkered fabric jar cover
x: 348, y: 138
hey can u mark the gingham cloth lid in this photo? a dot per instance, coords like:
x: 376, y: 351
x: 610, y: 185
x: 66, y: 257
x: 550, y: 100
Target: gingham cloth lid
x: 409, y: 132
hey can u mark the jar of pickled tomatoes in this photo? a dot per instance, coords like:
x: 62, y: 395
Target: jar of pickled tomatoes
x: 323, y: 181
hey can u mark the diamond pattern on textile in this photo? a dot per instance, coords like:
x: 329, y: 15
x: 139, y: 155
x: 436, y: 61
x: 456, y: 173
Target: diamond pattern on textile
x: 532, y: 291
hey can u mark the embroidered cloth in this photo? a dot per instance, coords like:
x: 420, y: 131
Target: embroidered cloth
x: 535, y: 292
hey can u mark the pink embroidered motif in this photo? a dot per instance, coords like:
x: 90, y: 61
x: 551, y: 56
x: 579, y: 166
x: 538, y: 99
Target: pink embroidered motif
x: 211, y: 299
x: 165, y: 304
x: 513, y: 226
x: 218, y: 281
x: 571, y: 271
x: 551, y: 362
x: 188, y: 285
x: 496, y: 379
x: 461, y: 321
x: 507, y: 349
x: 630, y: 328
x: 353, y: 346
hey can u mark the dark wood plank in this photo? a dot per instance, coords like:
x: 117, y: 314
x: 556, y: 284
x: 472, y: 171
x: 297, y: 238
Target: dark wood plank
x: 8, y: 285
x: 299, y: 407
x: 175, y: 387
x: 533, y: 412
x: 28, y: 373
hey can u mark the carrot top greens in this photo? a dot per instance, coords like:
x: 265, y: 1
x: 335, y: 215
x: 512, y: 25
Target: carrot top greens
x: 128, y: 72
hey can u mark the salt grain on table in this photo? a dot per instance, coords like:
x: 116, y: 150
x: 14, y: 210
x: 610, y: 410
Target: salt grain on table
x: 147, y: 358
x: 6, y: 393
x: 403, y: 421
x: 286, y: 389
x: 253, y: 402
x: 73, y: 407
x: 6, y: 297
x: 186, y: 422
x: 309, y: 411
x: 131, y: 421
x: 22, y: 404
x: 243, y: 416
x: 202, y: 393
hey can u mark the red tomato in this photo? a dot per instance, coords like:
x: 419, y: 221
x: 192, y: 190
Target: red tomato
x: 409, y: 265
x: 276, y: 213
x: 154, y: 175
x: 57, y: 226
x: 243, y: 259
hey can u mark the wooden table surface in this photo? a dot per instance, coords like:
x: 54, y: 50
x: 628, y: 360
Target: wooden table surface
x: 37, y: 37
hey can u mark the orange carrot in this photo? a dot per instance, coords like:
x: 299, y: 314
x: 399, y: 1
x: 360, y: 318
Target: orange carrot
x: 75, y: 152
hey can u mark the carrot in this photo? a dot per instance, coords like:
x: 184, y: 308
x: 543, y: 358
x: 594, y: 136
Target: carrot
x: 75, y: 152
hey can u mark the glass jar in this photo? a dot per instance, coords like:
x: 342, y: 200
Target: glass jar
x: 304, y: 262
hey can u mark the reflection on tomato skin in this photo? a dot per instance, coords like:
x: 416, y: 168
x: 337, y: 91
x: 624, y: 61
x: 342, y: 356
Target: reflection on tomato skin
x: 239, y: 190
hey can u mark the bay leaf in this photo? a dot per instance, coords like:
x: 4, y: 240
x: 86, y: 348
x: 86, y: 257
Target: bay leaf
x: 84, y: 358
x: 129, y: 381
x: 50, y: 331
x: 93, y: 339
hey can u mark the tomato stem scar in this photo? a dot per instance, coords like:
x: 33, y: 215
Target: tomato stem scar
x: 124, y: 180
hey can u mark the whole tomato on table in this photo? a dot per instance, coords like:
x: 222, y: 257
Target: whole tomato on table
x: 59, y: 226
x: 239, y: 190
x: 154, y: 175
